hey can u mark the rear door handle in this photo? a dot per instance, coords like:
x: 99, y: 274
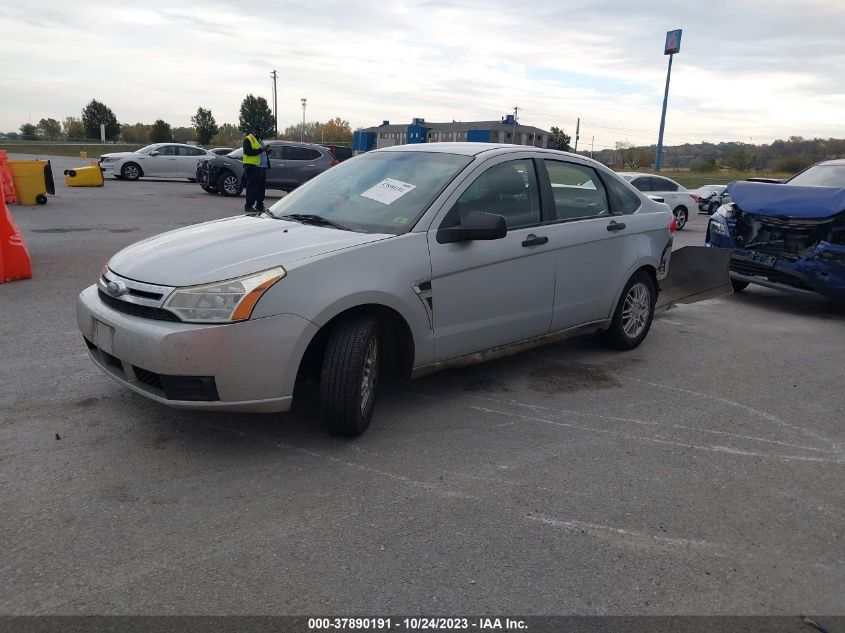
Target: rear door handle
x: 615, y: 226
x: 535, y: 240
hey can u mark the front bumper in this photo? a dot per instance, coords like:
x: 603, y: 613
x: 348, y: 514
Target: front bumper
x: 108, y: 168
x: 248, y: 366
x: 821, y: 272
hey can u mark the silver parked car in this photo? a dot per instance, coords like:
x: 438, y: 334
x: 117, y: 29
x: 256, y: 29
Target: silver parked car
x: 406, y: 260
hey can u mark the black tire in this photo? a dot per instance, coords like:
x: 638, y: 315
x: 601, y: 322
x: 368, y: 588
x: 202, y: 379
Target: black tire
x: 131, y: 171
x: 738, y: 285
x: 71, y: 173
x: 625, y: 332
x: 41, y: 199
x: 681, y: 216
x: 229, y: 184
x: 353, y: 353
x: 208, y: 189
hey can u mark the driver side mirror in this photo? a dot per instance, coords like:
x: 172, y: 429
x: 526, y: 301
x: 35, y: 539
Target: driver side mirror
x: 155, y: 152
x: 478, y: 225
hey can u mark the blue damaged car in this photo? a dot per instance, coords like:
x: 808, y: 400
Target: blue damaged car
x: 788, y: 236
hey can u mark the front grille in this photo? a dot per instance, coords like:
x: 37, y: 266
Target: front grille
x: 744, y: 267
x: 134, y: 309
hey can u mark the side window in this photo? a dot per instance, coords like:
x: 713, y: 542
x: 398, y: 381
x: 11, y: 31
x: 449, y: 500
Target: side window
x: 167, y: 150
x: 277, y: 152
x: 299, y: 153
x: 643, y: 183
x: 190, y: 151
x: 622, y: 199
x: 661, y: 184
x: 507, y: 189
x: 577, y: 190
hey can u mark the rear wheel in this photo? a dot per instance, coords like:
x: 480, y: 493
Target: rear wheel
x: 229, y: 184
x: 681, y: 217
x: 349, y: 375
x: 634, y: 313
x: 739, y: 286
x: 41, y: 199
x: 131, y: 171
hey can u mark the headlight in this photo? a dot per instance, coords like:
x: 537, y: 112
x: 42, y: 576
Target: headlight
x: 107, y: 160
x: 223, y: 302
x: 719, y: 228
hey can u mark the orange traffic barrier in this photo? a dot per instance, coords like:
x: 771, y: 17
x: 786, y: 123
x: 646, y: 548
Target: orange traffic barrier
x: 14, y: 258
x: 7, y: 183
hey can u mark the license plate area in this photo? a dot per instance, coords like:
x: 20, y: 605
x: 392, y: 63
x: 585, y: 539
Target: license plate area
x: 103, y: 336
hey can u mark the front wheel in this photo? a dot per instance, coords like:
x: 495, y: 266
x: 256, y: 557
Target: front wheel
x: 131, y: 171
x: 681, y: 217
x: 634, y: 313
x: 349, y: 376
x: 229, y: 184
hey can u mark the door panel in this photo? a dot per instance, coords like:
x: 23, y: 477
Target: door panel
x: 487, y: 293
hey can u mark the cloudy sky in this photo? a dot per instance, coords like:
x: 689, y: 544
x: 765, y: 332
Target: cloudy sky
x: 748, y: 70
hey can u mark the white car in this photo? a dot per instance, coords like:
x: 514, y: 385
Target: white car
x: 678, y: 197
x: 159, y: 160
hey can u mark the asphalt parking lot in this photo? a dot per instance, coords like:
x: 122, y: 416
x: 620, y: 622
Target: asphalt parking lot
x: 702, y: 473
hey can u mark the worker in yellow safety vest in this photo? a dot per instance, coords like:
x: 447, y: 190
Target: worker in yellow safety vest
x: 256, y: 163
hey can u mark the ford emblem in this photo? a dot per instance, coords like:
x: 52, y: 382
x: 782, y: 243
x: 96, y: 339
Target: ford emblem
x: 116, y: 288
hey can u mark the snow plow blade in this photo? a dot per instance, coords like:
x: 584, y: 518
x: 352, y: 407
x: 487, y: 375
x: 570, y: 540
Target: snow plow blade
x: 696, y: 273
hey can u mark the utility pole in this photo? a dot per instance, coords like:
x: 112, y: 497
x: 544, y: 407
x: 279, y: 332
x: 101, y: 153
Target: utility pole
x: 274, y: 75
x: 673, y: 45
x: 577, y: 133
x: 515, y: 115
x: 592, y: 145
x: 302, y: 131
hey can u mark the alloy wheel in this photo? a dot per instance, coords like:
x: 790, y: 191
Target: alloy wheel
x: 636, y: 310
x: 369, y: 377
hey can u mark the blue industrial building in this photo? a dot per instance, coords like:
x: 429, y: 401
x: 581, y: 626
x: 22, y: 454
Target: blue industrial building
x: 508, y: 130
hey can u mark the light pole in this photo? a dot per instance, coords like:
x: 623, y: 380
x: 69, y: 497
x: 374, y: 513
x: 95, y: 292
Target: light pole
x: 302, y: 130
x: 673, y: 45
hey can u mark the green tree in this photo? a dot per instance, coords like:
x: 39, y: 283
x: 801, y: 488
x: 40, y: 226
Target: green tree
x: 50, y: 128
x: 183, y: 134
x: 160, y: 132
x: 205, y: 125
x: 73, y: 128
x: 29, y: 132
x: 255, y: 113
x: 96, y: 113
x: 559, y: 139
x: 227, y: 136
x: 138, y: 133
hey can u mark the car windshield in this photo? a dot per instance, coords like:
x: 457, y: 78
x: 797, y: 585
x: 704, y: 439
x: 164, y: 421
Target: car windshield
x: 820, y: 176
x: 381, y: 192
x: 148, y: 148
x: 238, y: 153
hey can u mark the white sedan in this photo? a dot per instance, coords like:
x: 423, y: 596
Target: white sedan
x: 159, y: 160
x: 679, y: 199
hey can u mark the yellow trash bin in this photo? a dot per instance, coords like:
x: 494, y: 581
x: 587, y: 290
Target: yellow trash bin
x: 33, y: 180
x: 90, y: 176
x: 83, y: 154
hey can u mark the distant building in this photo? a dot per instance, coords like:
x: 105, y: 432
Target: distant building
x: 505, y: 131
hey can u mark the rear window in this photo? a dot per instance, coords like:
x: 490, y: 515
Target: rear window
x: 299, y: 153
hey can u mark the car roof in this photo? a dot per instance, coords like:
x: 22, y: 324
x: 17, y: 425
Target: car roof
x: 833, y: 163
x: 474, y: 149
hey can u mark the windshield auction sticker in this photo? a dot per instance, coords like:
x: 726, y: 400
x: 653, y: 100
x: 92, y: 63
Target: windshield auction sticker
x: 388, y: 191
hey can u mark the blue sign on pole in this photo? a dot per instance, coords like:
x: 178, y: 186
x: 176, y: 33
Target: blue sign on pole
x: 673, y: 42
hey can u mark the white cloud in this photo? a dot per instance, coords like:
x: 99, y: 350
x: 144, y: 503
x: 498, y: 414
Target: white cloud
x: 771, y: 70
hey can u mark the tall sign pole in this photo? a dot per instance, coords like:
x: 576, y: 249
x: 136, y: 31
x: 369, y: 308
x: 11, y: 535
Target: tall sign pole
x: 673, y: 45
x: 274, y: 75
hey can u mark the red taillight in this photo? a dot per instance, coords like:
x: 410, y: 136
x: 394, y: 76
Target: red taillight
x: 335, y: 162
x: 673, y: 226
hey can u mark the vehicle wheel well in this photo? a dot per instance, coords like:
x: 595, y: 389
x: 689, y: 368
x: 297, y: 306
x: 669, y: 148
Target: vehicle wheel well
x: 651, y: 271
x: 398, y: 342
x: 132, y: 162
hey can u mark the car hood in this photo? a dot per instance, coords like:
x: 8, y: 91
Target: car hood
x: 787, y: 201
x: 224, y: 249
x: 117, y: 154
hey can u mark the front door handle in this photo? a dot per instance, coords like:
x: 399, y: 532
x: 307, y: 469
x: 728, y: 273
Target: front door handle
x: 615, y: 226
x: 535, y: 240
